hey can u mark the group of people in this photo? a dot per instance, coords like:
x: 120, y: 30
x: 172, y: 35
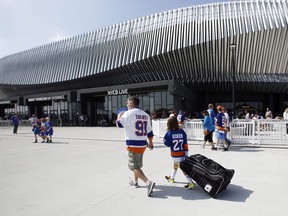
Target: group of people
x: 42, y: 128
x: 138, y: 129
x: 247, y: 115
x: 219, y: 123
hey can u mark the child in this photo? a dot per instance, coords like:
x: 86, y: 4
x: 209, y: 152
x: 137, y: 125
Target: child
x: 36, y: 129
x: 176, y: 139
x: 42, y: 130
x: 49, y: 130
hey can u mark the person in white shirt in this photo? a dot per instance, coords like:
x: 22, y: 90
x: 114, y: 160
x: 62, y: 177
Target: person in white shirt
x: 227, y: 123
x: 285, y: 118
x: 137, y: 125
x: 247, y: 114
x: 268, y: 114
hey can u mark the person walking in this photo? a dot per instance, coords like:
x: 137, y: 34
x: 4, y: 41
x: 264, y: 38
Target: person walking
x: 181, y: 117
x: 212, y: 113
x: 48, y: 130
x: 268, y: 114
x: 36, y: 129
x: 208, y: 125
x: 221, y: 129
x: 285, y: 118
x: 227, y: 125
x: 15, y: 121
x: 176, y: 139
x: 137, y: 125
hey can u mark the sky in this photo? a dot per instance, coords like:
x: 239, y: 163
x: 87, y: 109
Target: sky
x: 25, y: 24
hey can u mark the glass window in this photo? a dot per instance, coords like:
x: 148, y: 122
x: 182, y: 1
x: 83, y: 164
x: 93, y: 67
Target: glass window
x: 114, y: 101
x: 164, y: 99
x: 169, y: 101
x: 146, y: 101
x: 157, y: 98
x: 124, y: 101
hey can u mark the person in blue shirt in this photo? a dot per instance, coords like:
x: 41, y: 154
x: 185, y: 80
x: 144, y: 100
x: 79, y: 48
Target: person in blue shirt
x: 15, y: 121
x: 36, y: 129
x: 221, y: 127
x: 48, y: 130
x: 176, y: 139
x: 208, y: 125
x: 212, y: 113
x: 181, y: 117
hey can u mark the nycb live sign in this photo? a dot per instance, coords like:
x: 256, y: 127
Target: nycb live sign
x: 118, y: 92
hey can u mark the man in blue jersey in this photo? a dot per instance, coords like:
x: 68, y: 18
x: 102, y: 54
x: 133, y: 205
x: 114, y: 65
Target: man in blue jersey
x: 221, y: 129
x: 181, y: 117
x: 15, y: 121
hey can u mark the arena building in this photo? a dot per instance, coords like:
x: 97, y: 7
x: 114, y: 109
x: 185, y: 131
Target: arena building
x: 231, y: 53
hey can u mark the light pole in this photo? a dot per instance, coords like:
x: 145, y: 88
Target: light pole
x: 233, y: 49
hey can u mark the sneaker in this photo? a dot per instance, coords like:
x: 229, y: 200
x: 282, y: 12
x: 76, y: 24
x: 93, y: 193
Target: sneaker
x: 169, y: 179
x: 214, y: 148
x: 190, y: 186
x: 136, y: 185
x: 35, y: 141
x: 133, y: 184
x: 47, y: 141
x: 43, y: 141
x: 150, y: 188
x: 225, y: 149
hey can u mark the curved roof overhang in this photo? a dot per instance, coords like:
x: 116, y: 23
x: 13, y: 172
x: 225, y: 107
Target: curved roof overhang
x: 190, y: 45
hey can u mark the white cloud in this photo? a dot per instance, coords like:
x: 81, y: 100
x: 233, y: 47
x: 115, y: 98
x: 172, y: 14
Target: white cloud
x: 57, y: 37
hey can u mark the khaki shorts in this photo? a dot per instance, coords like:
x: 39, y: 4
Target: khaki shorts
x: 135, y: 161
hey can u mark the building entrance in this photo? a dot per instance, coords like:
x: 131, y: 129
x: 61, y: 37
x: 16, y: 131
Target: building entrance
x: 104, y: 108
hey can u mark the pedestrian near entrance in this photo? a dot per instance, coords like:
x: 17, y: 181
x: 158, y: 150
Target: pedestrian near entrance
x: 221, y: 129
x: 33, y: 119
x: 212, y: 114
x: 227, y: 125
x: 36, y: 129
x: 268, y: 114
x: 208, y: 125
x: 15, y: 121
x: 48, y: 130
x: 138, y: 128
x: 285, y: 117
x: 176, y: 139
x: 181, y: 117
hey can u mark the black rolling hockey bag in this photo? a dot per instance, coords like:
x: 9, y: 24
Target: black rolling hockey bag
x: 208, y: 174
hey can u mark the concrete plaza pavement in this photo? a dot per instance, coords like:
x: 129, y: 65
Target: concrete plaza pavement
x: 84, y: 173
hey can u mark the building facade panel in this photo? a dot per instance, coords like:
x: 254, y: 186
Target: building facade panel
x: 187, y: 45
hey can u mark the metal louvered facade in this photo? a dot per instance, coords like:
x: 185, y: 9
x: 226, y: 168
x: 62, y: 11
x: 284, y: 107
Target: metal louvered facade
x: 189, y: 45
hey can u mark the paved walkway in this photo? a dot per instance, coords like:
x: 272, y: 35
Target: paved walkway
x: 84, y: 173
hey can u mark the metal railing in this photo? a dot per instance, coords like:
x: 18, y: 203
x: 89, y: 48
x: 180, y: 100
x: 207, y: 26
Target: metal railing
x: 7, y: 123
x: 255, y: 132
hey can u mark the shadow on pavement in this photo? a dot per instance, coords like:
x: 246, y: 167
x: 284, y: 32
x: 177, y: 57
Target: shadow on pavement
x: 233, y: 193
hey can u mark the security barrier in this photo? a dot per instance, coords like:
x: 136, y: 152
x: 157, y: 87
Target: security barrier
x: 255, y: 132
x: 7, y: 123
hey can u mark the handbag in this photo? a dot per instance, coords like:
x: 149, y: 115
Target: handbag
x: 206, y: 132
